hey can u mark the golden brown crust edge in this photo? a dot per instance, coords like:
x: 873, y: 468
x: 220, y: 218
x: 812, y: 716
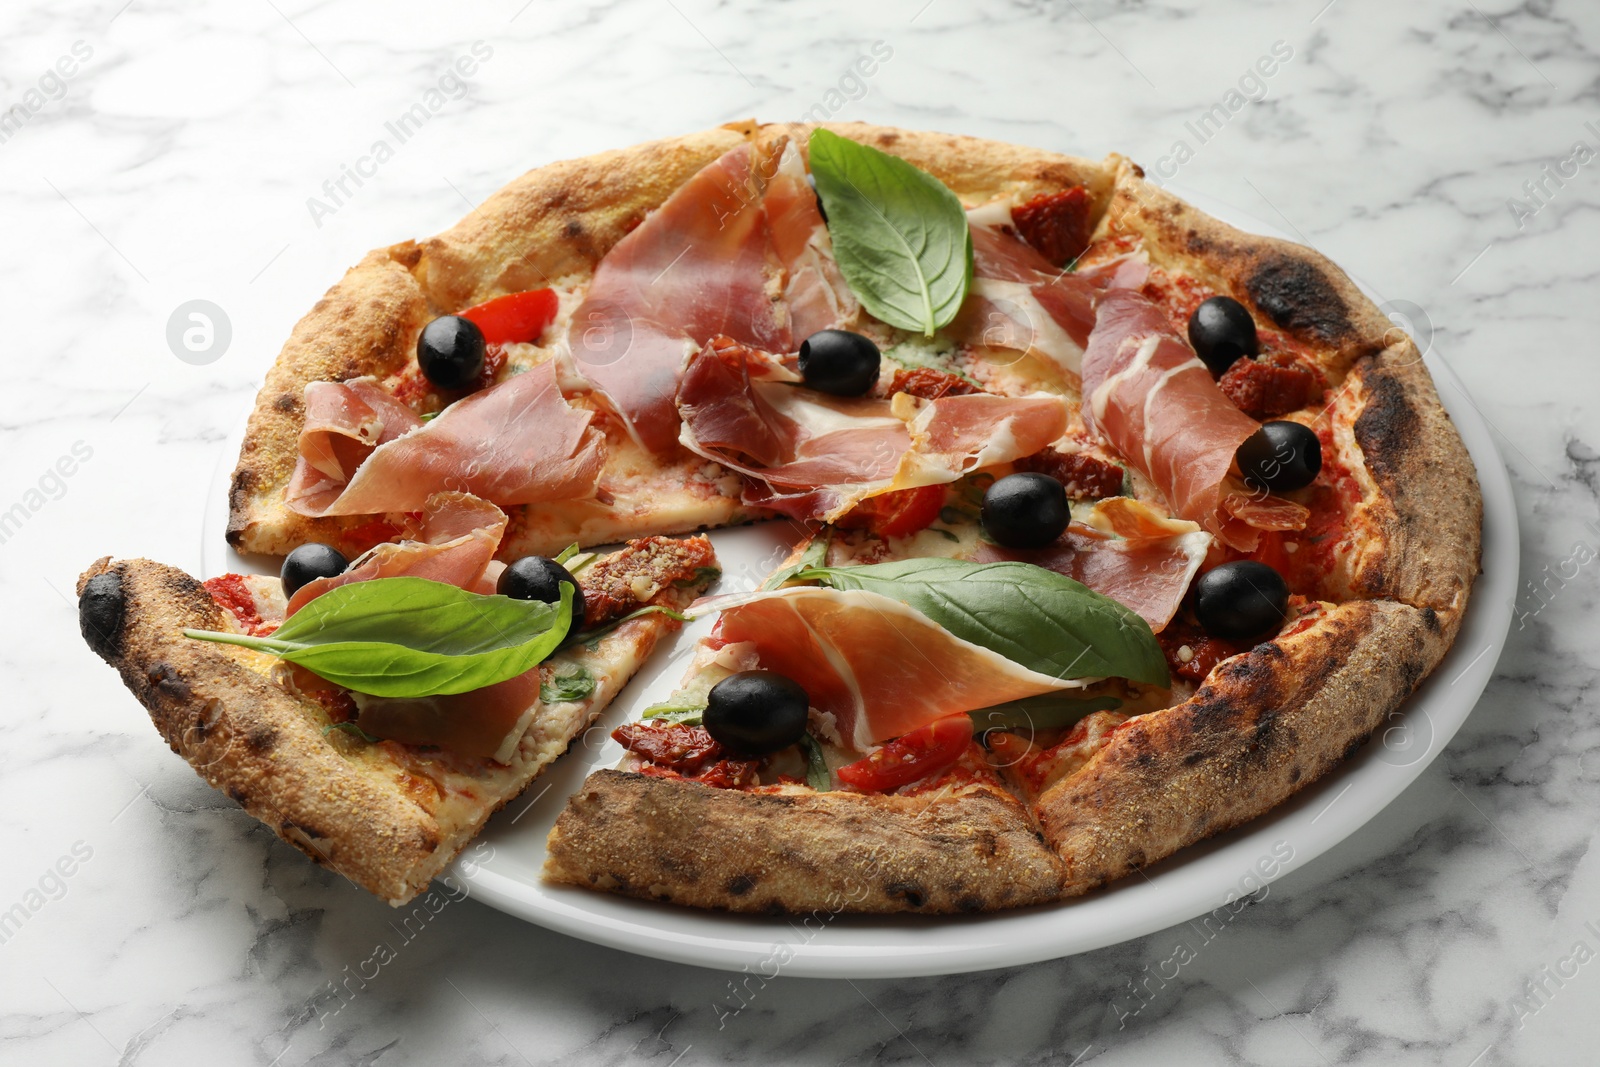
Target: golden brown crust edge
x: 248, y: 737
x: 1263, y: 726
x: 797, y: 853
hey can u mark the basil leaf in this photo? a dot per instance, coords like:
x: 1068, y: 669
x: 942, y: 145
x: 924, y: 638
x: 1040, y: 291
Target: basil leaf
x: 1035, y: 617
x: 818, y: 776
x: 568, y: 683
x: 900, y: 236
x: 411, y: 637
x: 1052, y: 712
x: 815, y: 555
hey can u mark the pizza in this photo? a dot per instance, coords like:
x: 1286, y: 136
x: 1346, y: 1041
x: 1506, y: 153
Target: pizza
x: 1112, y: 527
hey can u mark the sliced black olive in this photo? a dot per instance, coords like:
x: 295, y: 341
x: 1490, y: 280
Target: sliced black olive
x: 539, y: 578
x: 1241, y: 600
x: 1280, y: 457
x: 755, y: 713
x: 1222, y: 331
x: 309, y: 562
x: 1025, y: 510
x: 450, y: 352
x: 839, y: 362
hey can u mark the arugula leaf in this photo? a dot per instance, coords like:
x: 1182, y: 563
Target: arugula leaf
x: 572, y: 682
x: 818, y: 776
x: 815, y: 555
x: 900, y: 236
x: 1054, y: 711
x: 566, y: 553
x: 1043, y: 620
x: 680, y: 714
x: 411, y: 637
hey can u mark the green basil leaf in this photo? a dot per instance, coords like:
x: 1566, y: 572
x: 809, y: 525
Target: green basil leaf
x: 567, y: 683
x: 1055, y: 711
x: 899, y: 235
x: 818, y: 776
x: 815, y: 555
x: 411, y: 637
x: 1035, y: 617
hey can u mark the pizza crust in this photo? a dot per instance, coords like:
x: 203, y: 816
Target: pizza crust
x: 347, y: 805
x: 1263, y: 726
x: 971, y: 850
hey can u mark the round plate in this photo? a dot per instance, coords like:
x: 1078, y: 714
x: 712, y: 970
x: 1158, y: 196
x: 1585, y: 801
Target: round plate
x: 1201, y: 878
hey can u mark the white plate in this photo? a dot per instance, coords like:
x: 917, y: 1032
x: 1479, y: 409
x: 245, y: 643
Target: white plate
x: 1198, y: 880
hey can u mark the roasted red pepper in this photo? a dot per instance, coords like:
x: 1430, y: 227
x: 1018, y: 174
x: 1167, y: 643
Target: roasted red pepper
x: 918, y: 754
x: 515, y: 317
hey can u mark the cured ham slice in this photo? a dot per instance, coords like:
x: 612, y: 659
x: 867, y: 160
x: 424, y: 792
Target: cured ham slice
x: 1020, y: 301
x: 815, y: 456
x: 1127, y: 552
x: 815, y: 294
x: 487, y: 722
x: 518, y: 442
x: 1148, y: 394
x: 452, y: 541
x: 879, y: 667
x: 695, y: 268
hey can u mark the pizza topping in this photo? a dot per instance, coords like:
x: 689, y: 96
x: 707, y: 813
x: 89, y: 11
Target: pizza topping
x: 1149, y: 396
x: 518, y: 442
x: 1085, y: 477
x: 899, y: 235
x: 516, y: 318
x: 233, y: 594
x: 839, y: 362
x: 755, y: 713
x: 540, y: 578
x: 452, y: 540
x: 1241, y: 600
x: 1057, y: 225
x: 344, y: 423
x: 910, y: 757
x: 1222, y: 332
x: 1025, y: 510
x: 899, y: 513
x: 815, y: 294
x: 488, y: 721
x: 1281, y: 457
x: 680, y: 751
x: 1142, y: 560
x: 639, y: 572
x: 450, y: 352
x: 812, y: 455
x: 1265, y: 390
x: 694, y: 269
x: 309, y: 562
x: 1192, y: 653
x: 929, y: 384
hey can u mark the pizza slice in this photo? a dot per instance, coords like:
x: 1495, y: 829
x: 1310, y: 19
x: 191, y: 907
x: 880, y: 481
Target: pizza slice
x: 384, y: 789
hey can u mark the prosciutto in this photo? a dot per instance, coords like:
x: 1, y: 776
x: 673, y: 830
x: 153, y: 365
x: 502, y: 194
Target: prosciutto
x: 1150, y: 397
x: 1020, y: 301
x: 518, y: 442
x: 452, y: 541
x: 879, y: 667
x: 1126, y: 551
x: 814, y: 456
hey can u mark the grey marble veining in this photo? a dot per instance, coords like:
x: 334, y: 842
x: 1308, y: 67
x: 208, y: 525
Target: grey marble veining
x: 178, y: 161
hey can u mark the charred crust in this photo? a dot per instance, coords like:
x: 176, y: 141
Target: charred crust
x: 739, y: 885
x: 910, y: 892
x: 1298, y: 296
x: 102, y: 609
x: 1387, y: 426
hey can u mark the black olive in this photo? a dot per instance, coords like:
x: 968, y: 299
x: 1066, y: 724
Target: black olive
x: 1025, y: 510
x: 839, y: 362
x: 812, y: 181
x: 539, y: 578
x: 1241, y: 600
x: 754, y: 713
x: 308, y: 562
x: 450, y: 352
x: 1222, y: 331
x: 1280, y: 457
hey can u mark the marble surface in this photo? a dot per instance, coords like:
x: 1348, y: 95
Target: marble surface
x: 166, y: 153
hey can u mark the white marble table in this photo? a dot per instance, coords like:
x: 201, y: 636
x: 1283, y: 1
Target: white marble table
x: 165, y: 153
